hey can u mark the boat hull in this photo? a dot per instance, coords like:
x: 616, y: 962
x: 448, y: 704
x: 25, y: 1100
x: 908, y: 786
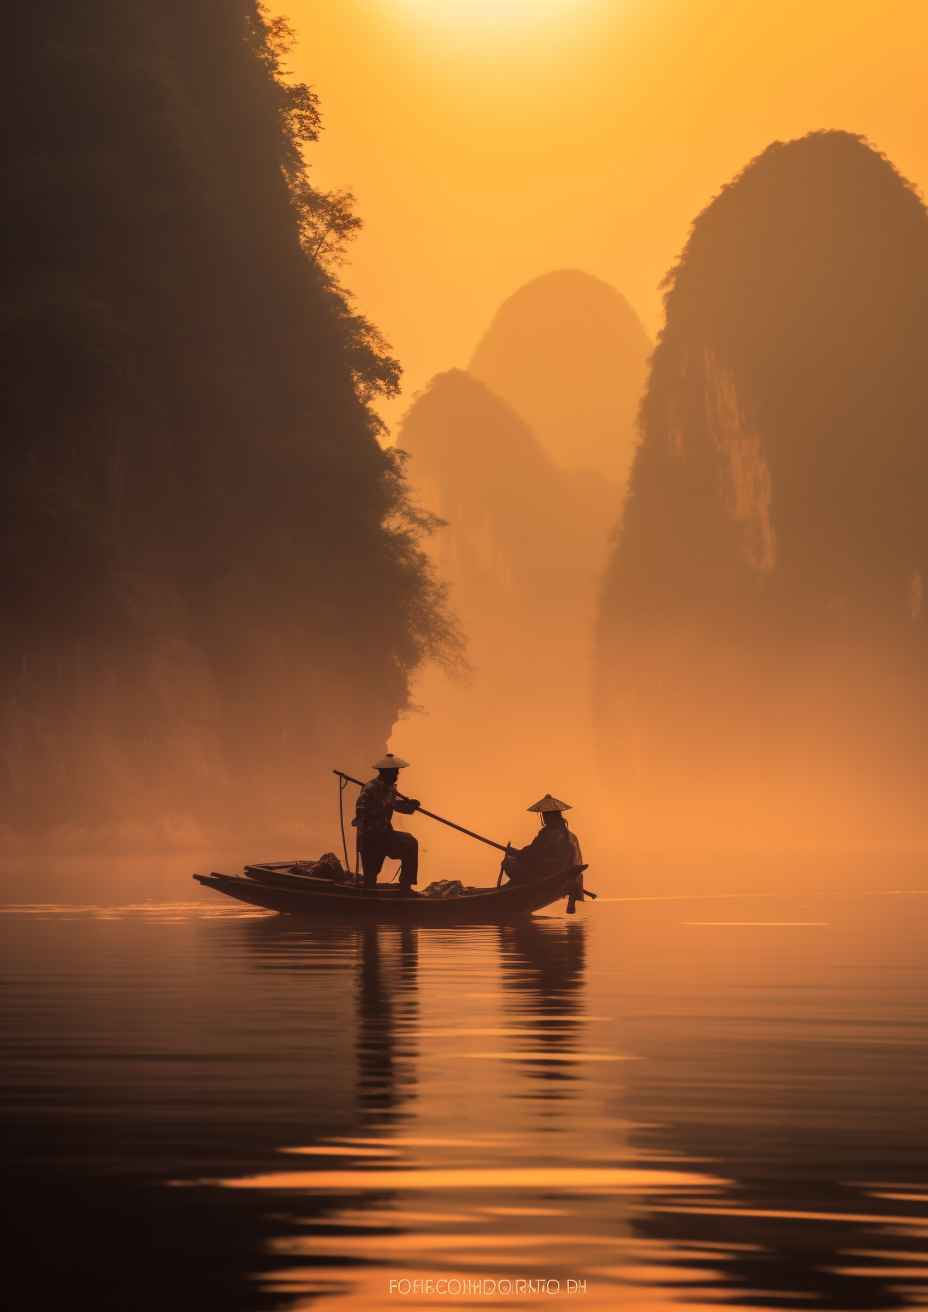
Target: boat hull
x: 489, y: 906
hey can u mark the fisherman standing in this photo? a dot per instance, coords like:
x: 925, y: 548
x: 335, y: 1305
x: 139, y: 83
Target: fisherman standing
x: 377, y: 839
x: 553, y: 849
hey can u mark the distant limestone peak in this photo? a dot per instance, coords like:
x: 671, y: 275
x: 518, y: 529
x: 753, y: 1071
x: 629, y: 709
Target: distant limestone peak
x: 569, y: 355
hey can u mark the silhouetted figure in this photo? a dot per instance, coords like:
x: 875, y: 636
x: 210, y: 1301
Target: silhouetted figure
x: 554, y: 847
x: 377, y: 839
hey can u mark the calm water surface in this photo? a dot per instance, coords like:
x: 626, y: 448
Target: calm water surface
x: 685, y: 1103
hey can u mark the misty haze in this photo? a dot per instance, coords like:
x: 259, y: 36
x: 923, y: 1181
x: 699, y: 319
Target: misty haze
x: 465, y: 507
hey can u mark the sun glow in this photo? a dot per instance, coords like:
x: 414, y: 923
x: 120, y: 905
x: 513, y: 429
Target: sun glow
x: 498, y: 17
x: 489, y: 11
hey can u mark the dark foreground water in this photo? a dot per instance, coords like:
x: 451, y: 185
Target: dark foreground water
x: 683, y: 1103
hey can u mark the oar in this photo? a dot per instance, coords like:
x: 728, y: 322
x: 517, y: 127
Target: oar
x: 501, y: 847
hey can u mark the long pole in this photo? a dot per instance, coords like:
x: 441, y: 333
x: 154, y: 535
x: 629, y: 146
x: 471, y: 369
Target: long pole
x: 341, y: 821
x: 500, y: 847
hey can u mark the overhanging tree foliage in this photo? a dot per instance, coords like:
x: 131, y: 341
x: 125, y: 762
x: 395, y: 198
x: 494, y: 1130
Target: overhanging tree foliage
x: 212, y: 570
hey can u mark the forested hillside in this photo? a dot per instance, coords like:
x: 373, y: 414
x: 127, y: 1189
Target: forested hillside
x: 762, y: 658
x: 212, y: 584
x: 520, y: 532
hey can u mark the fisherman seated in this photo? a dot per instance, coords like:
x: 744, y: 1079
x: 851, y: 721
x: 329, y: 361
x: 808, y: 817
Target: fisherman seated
x: 377, y: 839
x: 554, y: 848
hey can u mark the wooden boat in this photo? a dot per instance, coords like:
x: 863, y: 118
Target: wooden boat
x: 279, y: 886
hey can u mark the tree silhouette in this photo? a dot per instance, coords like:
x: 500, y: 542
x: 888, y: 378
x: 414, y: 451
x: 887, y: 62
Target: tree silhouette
x: 213, y: 575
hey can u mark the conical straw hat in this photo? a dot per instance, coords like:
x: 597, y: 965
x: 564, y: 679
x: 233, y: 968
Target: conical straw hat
x: 390, y: 762
x: 549, y: 803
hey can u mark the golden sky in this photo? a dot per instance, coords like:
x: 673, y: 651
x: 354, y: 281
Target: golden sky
x: 489, y: 141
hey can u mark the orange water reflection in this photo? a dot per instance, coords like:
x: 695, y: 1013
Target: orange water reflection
x: 397, y: 1104
x: 558, y: 1157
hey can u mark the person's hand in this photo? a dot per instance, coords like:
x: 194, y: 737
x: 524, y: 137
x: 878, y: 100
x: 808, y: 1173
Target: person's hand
x: 414, y: 803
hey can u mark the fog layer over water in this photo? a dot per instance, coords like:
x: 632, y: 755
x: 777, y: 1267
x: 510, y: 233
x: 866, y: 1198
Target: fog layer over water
x: 525, y: 458
x: 677, y: 1100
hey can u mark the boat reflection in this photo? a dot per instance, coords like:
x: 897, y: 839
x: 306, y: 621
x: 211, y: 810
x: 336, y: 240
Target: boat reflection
x: 358, y: 1083
x: 387, y: 1019
x: 733, y: 1157
x: 543, y: 977
x: 729, y: 1165
x: 365, y: 980
x: 303, y: 1113
x: 469, y: 1193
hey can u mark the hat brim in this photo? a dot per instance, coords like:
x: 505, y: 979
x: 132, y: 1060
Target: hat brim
x: 549, y: 803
